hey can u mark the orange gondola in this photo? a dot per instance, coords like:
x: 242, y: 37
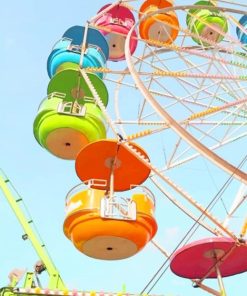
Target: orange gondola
x: 161, y: 27
x: 109, y: 228
x: 111, y: 156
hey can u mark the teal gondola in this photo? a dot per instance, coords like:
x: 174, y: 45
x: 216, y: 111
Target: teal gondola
x: 67, y: 51
x: 242, y: 36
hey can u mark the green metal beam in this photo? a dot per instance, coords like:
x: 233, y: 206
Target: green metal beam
x: 29, y: 280
x: 6, y: 291
x: 55, y: 279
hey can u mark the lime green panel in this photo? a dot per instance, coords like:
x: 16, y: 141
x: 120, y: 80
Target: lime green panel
x: 196, y: 10
x: 7, y: 291
x: 211, y: 20
x: 72, y: 84
x: 92, y: 125
x: 68, y: 65
x: 49, y: 107
x: 199, y: 26
x: 49, y: 103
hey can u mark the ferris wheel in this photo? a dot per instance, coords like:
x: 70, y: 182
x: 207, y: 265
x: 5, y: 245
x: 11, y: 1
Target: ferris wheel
x: 150, y: 96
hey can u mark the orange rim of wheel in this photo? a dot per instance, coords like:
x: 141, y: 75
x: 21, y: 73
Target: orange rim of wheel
x: 98, y: 159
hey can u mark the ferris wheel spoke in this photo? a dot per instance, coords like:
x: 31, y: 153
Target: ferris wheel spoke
x: 177, y: 128
x: 215, y: 147
x: 196, y: 87
x: 141, y: 109
x: 178, y: 189
x: 209, y: 132
x: 184, y: 209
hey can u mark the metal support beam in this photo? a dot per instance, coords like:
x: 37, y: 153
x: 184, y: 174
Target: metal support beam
x: 55, y: 280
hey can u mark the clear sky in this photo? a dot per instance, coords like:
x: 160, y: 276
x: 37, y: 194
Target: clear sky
x: 28, y: 32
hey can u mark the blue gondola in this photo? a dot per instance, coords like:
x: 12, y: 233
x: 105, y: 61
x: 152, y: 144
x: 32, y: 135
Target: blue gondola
x: 67, y: 51
x: 242, y: 36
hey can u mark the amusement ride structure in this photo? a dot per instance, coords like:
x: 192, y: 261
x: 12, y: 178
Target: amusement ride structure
x: 137, y: 95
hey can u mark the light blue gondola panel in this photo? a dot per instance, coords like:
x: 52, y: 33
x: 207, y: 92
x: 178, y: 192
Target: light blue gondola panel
x: 242, y: 36
x: 67, y: 50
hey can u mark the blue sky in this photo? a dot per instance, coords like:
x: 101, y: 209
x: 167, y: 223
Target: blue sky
x: 28, y: 31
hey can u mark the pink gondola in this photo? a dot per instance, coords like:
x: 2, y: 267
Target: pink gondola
x: 115, y: 24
